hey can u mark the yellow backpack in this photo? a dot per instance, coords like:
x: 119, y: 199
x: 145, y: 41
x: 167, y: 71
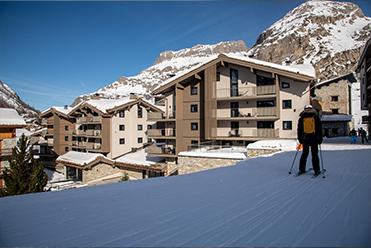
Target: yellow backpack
x: 309, y: 125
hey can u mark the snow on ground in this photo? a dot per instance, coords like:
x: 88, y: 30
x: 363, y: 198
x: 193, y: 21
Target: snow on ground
x: 255, y: 203
x: 54, y: 176
x: 277, y: 144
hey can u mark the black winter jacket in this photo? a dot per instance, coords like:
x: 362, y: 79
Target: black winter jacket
x: 316, y: 137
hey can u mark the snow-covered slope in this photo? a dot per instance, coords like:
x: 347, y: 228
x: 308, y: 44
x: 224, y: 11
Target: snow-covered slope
x: 253, y: 204
x: 327, y: 34
x: 168, y: 64
x: 10, y: 99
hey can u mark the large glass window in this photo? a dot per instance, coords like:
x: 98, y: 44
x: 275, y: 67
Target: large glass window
x: 234, y: 82
x: 73, y: 173
x: 234, y: 109
x: 265, y: 124
x: 266, y: 103
x: 261, y: 80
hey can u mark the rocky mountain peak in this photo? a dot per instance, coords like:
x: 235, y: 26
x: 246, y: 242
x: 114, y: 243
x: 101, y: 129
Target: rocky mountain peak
x: 326, y: 34
x: 204, y: 50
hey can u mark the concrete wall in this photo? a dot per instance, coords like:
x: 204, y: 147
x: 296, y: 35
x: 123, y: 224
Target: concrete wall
x: 188, y: 165
x: 298, y: 100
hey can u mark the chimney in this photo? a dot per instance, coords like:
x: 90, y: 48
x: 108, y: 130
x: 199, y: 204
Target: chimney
x: 65, y: 106
x: 133, y: 96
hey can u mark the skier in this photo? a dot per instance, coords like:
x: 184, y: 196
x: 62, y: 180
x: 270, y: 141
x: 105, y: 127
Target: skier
x: 364, y: 135
x: 353, y: 135
x: 309, y: 135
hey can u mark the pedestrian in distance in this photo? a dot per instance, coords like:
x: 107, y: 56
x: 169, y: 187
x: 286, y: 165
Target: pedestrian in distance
x: 310, y: 136
x: 364, y: 136
x: 353, y: 136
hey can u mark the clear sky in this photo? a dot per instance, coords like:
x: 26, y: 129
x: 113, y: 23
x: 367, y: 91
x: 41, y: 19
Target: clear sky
x: 52, y: 52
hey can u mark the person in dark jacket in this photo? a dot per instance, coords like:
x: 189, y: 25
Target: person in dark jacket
x: 310, y: 136
x: 364, y: 135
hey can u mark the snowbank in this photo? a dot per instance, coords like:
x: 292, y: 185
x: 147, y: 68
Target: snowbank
x: 139, y: 157
x: 279, y: 145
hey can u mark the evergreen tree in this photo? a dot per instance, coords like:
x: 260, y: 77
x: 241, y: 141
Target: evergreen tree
x: 25, y: 174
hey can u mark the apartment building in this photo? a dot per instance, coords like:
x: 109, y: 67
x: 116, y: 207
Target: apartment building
x: 230, y: 99
x: 335, y: 99
x: 111, y: 127
x: 364, y: 73
x: 59, y: 127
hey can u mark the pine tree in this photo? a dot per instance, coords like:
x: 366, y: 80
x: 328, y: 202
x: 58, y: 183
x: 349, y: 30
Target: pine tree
x: 25, y: 174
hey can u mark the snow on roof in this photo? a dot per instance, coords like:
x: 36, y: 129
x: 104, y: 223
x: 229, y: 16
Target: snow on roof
x: 255, y: 203
x: 336, y: 117
x: 79, y: 158
x: 139, y: 157
x: 105, y: 104
x: 278, y: 144
x: 62, y: 110
x: 227, y: 153
x: 20, y: 131
x: 10, y: 117
x: 303, y: 69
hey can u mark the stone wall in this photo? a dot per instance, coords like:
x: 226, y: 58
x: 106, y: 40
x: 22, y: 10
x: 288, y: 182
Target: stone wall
x: 259, y: 152
x: 188, y: 165
x: 102, y: 170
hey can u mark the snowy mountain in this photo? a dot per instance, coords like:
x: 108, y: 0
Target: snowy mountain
x: 327, y: 34
x: 10, y: 99
x: 255, y: 203
x: 167, y: 65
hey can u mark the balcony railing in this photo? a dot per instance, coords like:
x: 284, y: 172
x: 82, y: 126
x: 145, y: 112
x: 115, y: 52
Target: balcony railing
x: 89, y: 119
x: 154, y: 116
x: 88, y: 132
x: 246, y: 91
x: 93, y: 146
x: 167, y: 132
x: 267, y: 133
x: 266, y: 111
x: 161, y: 150
x: 250, y: 133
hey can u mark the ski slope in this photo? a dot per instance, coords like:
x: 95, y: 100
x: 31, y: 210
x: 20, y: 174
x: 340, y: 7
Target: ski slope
x: 255, y: 203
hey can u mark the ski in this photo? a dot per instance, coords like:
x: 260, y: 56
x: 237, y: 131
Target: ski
x: 298, y: 175
x: 322, y: 172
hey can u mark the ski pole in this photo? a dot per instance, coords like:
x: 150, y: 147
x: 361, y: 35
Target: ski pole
x: 293, y: 162
x: 323, y: 167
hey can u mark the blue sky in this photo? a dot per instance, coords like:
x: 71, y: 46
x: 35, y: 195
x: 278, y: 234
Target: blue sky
x: 51, y: 52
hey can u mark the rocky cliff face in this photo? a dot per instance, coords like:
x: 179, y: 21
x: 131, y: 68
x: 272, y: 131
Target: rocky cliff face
x: 10, y: 99
x: 326, y: 34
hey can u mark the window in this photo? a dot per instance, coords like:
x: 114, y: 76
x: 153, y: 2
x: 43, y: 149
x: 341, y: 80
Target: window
x: 140, y: 112
x: 140, y: 140
x: 265, y: 124
x: 140, y: 127
x: 65, y: 138
x: 122, y: 113
x: 66, y: 128
x: 194, y: 90
x: 122, y: 127
x: 235, y: 125
x: 218, y: 76
x: 261, y: 80
x: 122, y: 141
x: 267, y: 103
x: 194, y: 108
x: 334, y: 98
x: 194, y: 126
x: 335, y: 111
x: 66, y: 149
x: 286, y: 104
x: 235, y: 109
x: 287, y: 125
x: 73, y: 173
x: 149, y: 126
x: 234, y: 82
x: 194, y: 143
x: 285, y: 85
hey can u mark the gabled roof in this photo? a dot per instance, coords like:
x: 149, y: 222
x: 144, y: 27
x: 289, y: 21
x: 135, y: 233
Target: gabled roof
x: 108, y: 106
x: 365, y: 50
x: 9, y: 117
x: 350, y: 77
x: 57, y: 110
x: 300, y: 72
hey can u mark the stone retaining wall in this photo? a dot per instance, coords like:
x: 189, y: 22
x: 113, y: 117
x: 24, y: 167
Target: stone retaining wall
x: 259, y: 152
x: 188, y: 165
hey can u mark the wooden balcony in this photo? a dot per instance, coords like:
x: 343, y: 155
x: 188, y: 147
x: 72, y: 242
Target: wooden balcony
x: 266, y: 90
x: 161, y: 133
x: 266, y: 111
x: 247, y: 113
x: 247, y: 92
x: 267, y: 133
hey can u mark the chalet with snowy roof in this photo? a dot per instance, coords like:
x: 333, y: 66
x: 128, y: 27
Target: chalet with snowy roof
x: 111, y: 127
x: 59, y: 127
x: 10, y: 121
x: 229, y: 99
x: 96, y: 168
x: 334, y: 98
